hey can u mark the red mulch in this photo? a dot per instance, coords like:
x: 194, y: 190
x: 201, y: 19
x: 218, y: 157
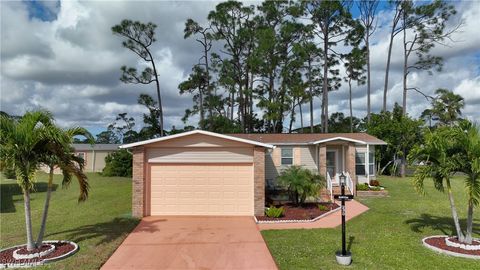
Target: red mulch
x: 439, y: 242
x: 6, y: 256
x: 307, y: 211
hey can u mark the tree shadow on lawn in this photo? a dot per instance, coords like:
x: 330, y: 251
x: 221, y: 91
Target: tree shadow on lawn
x: 7, y: 191
x: 443, y: 224
x: 106, y: 232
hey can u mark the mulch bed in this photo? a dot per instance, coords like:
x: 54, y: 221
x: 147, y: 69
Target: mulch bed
x: 307, y: 211
x: 455, y: 240
x: 439, y: 242
x: 61, y: 248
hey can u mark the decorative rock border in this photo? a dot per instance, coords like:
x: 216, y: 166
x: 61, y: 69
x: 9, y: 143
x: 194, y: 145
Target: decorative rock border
x: 447, y: 252
x: 296, y: 220
x: 18, y: 256
x: 450, y: 243
x: 41, y: 262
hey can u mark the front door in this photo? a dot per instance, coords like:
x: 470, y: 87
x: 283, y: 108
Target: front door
x: 332, y: 163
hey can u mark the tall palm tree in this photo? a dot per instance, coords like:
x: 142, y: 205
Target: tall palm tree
x: 447, y: 106
x: 61, y: 154
x: 22, y: 145
x: 436, y: 153
x: 469, y: 161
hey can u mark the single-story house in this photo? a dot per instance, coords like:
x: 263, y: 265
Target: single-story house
x: 205, y: 173
x: 94, y: 155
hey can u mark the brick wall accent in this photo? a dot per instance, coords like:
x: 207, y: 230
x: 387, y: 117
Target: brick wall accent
x: 350, y: 159
x: 322, y: 160
x: 259, y: 180
x: 138, y: 182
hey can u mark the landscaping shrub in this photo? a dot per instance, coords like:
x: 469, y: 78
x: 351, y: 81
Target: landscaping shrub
x: 118, y: 163
x: 374, y: 183
x: 274, y: 212
x: 301, y: 183
x: 322, y: 207
x: 362, y: 187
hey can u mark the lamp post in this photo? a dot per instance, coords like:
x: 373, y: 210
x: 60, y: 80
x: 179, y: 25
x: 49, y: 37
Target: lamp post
x: 343, y: 257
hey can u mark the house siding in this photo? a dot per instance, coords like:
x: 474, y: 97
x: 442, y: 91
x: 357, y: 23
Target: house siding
x: 303, y: 156
x: 201, y: 155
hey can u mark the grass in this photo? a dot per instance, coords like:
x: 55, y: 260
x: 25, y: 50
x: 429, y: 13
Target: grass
x: 388, y: 236
x: 98, y: 225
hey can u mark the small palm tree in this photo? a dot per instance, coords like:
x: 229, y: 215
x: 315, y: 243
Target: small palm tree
x: 31, y: 141
x: 61, y: 154
x: 448, y: 150
x: 22, y: 146
x: 301, y: 183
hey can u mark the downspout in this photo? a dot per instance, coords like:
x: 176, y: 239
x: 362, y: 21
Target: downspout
x: 343, y: 158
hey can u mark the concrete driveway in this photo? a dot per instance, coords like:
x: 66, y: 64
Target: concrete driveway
x: 193, y: 243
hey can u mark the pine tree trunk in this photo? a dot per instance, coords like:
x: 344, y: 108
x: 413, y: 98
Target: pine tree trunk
x: 311, y: 95
x: 157, y: 84
x: 301, y: 116
x: 43, y: 225
x: 350, y: 102
x: 325, y: 82
x: 469, y: 235
x: 28, y: 221
x: 368, y: 77
x: 202, y: 113
x: 405, y: 73
x: 387, y: 70
x: 456, y: 221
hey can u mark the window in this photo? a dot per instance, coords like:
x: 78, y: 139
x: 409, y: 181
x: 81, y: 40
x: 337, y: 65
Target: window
x: 287, y: 156
x: 331, y: 163
x: 360, y: 163
x: 371, y: 163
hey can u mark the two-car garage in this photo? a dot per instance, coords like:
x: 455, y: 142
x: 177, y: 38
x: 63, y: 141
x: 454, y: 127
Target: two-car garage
x: 198, y: 173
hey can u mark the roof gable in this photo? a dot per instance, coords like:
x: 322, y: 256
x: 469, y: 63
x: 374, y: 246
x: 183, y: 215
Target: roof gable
x: 193, y: 132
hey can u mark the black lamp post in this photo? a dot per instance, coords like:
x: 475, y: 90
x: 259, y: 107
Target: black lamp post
x: 344, y: 257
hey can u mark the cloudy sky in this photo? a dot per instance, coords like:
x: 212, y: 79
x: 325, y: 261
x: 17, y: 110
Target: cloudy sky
x: 62, y: 56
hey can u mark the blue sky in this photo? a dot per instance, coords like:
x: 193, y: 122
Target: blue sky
x: 63, y: 57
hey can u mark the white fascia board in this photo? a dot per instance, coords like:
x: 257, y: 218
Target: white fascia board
x: 339, y: 138
x: 197, y: 131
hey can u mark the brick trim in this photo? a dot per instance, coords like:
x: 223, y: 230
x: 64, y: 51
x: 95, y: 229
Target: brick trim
x: 138, y: 182
x: 259, y: 180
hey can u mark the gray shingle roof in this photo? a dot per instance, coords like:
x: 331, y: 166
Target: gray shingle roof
x: 96, y: 147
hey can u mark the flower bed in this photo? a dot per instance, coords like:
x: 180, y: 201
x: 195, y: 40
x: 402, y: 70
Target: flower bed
x: 306, y: 213
x: 62, y: 249
x: 440, y: 244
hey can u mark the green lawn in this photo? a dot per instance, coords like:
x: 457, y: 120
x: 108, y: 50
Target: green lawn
x: 388, y: 236
x: 98, y: 225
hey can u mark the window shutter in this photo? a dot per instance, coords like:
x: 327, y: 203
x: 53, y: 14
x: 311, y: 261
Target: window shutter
x: 276, y: 156
x: 297, y: 156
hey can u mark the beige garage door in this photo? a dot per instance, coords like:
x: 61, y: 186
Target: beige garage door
x: 202, y: 189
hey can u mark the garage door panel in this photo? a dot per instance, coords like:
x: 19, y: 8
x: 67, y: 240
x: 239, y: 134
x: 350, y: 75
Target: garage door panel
x: 200, y: 189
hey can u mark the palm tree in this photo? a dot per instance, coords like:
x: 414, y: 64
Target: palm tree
x: 436, y: 154
x: 469, y: 161
x: 22, y: 146
x: 62, y: 155
x: 447, y: 106
x: 31, y: 141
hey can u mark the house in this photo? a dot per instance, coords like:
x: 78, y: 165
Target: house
x: 205, y: 173
x: 94, y: 156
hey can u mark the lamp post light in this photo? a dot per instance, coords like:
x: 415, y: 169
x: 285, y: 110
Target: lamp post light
x: 343, y: 257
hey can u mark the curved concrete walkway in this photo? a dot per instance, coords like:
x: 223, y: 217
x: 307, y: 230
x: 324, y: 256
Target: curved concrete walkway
x: 353, y: 209
x: 193, y: 243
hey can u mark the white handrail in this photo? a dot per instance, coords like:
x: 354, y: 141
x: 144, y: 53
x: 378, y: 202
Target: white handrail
x: 330, y: 186
x: 349, y: 182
